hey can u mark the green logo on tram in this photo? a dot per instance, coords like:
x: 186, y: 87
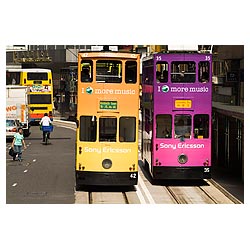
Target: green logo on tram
x: 89, y: 90
x: 165, y: 89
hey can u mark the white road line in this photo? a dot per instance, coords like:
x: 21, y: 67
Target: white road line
x: 14, y: 184
x: 147, y: 193
x: 25, y: 171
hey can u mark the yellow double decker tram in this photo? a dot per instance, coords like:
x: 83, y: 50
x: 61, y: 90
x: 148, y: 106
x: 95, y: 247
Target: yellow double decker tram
x: 107, y: 118
x: 40, y: 85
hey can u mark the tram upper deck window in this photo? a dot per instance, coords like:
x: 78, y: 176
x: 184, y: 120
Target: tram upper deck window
x: 203, y: 72
x: 183, y: 72
x: 201, y: 126
x: 163, y: 126
x: 182, y: 125
x: 161, y: 72
x: 130, y: 71
x: 107, y: 129
x: 108, y: 71
x: 88, y: 127
x: 86, y: 71
x: 147, y: 72
x: 127, y: 129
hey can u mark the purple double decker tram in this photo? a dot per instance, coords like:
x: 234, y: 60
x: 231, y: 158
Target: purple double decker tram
x: 176, y: 115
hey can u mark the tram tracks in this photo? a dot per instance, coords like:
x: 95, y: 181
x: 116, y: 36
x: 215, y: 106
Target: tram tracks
x: 209, y: 193
x: 105, y: 198
x: 212, y: 193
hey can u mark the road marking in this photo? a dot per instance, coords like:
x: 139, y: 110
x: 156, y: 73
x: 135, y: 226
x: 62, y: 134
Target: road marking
x: 147, y: 193
x: 25, y: 171
x: 14, y: 184
x: 34, y: 160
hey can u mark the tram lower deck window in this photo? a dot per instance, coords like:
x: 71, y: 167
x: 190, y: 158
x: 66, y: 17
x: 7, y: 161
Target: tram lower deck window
x: 163, y: 126
x: 182, y: 125
x: 201, y: 126
x: 88, y: 127
x: 127, y: 128
x: 107, y: 129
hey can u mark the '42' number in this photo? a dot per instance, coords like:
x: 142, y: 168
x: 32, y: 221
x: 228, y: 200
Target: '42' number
x: 133, y: 176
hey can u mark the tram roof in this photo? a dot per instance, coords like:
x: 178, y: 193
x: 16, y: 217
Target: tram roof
x: 29, y: 70
x: 175, y: 53
x: 111, y: 54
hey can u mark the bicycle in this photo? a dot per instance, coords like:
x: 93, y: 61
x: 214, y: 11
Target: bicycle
x: 47, y: 130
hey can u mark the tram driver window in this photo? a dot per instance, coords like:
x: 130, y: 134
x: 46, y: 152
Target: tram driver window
x: 130, y: 71
x: 107, y: 129
x: 127, y: 129
x: 182, y: 125
x: 86, y: 71
x: 163, y: 126
x: 201, y: 126
x: 88, y: 128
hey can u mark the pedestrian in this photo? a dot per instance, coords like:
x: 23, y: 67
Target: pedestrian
x: 17, y: 144
x: 45, y: 122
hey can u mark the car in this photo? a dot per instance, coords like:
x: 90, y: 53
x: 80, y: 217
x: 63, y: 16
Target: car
x: 11, y: 127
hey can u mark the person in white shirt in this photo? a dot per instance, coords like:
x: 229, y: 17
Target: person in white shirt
x: 45, y: 121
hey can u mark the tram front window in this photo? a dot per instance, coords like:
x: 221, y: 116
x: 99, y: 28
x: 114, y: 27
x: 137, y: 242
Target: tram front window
x: 163, y: 126
x: 88, y: 128
x: 130, y: 72
x: 183, y: 72
x: 108, y: 71
x: 107, y: 129
x: 86, y: 71
x: 127, y: 130
x: 182, y: 125
x: 201, y: 126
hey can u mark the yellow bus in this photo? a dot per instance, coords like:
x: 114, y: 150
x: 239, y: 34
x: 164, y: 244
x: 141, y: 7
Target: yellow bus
x: 107, y: 118
x: 40, y: 97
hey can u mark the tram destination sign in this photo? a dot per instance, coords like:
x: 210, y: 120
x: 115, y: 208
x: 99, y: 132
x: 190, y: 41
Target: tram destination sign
x: 183, y: 104
x: 108, y: 105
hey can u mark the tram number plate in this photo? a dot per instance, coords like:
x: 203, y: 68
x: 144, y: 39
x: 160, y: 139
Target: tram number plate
x: 133, y: 176
x: 206, y: 170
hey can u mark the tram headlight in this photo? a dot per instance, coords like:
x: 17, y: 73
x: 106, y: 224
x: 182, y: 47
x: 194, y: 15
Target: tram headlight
x: 182, y: 158
x: 107, y: 163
